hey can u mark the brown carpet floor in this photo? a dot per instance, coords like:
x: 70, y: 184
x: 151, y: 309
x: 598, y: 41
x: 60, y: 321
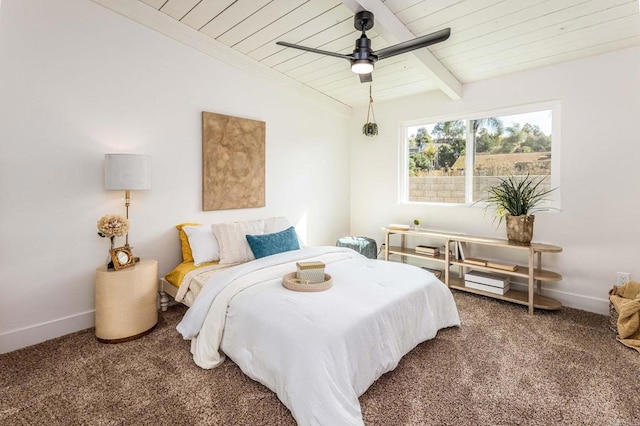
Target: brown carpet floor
x: 502, y: 367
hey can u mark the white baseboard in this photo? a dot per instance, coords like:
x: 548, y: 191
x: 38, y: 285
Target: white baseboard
x: 23, y: 337
x: 572, y: 300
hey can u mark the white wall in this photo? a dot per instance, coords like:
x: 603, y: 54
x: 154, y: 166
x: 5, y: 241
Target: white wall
x: 598, y: 226
x: 78, y: 81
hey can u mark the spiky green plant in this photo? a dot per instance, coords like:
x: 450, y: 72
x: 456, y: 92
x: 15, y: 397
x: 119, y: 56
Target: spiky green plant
x: 517, y: 196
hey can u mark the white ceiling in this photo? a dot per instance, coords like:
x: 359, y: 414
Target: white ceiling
x: 489, y: 38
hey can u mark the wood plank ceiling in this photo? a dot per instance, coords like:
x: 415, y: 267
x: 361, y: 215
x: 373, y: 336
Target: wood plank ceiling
x: 489, y: 38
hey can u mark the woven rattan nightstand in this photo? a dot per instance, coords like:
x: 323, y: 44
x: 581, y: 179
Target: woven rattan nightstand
x: 126, y: 302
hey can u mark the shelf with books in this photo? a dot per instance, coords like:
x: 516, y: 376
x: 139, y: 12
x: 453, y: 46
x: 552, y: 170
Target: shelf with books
x: 459, y: 246
x: 430, y: 250
x: 514, y: 296
x: 410, y: 252
x: 520, y: 271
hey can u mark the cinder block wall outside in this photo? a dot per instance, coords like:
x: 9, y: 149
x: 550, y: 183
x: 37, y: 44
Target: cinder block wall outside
x: 450, y: 189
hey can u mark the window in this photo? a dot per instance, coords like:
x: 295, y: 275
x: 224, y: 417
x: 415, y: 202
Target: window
x: 437, y: 154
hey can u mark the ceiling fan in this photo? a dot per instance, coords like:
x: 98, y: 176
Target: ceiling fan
x: 363, y: 57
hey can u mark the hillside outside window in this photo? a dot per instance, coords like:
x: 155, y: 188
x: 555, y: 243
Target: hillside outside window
x: 451, y: 161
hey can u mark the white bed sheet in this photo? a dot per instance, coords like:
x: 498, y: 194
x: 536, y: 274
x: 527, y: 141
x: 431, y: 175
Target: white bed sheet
x: 317, y: 351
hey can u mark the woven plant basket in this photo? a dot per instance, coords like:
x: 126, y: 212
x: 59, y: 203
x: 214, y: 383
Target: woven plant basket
x: 520, y: 228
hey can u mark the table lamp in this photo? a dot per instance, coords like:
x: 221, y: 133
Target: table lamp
x: 127, y: 172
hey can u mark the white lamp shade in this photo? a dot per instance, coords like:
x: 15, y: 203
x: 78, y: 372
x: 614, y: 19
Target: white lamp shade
x: 127, y: 172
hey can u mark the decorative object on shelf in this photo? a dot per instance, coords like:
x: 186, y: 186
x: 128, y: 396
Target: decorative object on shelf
x: 121, y: 257
x: 112, y: 226
x: 310, y: 272
x: 516, y: 199
x: 399, y: 227
x: 370, y: 128
x: 520, y: 228
x: 126, y: 172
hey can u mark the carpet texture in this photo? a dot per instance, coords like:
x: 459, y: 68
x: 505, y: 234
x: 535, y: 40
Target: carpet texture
x: 501, y: 367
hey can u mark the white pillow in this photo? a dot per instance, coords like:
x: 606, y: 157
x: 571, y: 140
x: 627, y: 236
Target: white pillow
x: 204, y: 245
x: 231, y: 237
x: 278, y: 224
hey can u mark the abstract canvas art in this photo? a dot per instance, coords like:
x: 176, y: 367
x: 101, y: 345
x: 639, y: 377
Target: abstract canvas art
x: 233, y: 162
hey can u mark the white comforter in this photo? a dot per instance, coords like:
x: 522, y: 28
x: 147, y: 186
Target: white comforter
x: 318, y: 351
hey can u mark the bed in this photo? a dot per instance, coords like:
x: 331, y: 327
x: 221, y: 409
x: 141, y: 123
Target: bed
x: 318, y: 351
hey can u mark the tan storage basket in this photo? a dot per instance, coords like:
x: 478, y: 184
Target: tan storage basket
x: 613, y: 318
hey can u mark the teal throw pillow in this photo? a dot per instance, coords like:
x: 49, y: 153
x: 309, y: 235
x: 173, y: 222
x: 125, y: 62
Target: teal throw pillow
x: 278, y: 242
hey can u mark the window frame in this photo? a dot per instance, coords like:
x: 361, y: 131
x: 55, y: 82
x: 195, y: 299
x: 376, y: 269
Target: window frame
x: 403, y: 182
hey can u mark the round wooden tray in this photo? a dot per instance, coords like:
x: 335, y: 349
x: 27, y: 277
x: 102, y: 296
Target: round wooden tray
x: 289, y: 281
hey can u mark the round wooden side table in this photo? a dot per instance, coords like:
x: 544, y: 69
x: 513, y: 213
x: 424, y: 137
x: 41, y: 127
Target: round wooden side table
x: 126, y: 304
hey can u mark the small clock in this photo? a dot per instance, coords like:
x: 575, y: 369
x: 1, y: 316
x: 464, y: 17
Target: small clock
x: 122, y: 257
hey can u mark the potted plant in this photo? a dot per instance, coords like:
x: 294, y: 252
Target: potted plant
x: 516, y: 199
x: 370, y: 129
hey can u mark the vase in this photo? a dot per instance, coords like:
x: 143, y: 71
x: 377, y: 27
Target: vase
x: 520, y: 229
x: 109, y: 260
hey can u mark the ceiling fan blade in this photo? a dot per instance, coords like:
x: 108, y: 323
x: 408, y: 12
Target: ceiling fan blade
x: 414, y: 44
x: 365, y: 78
x: 313, y: 50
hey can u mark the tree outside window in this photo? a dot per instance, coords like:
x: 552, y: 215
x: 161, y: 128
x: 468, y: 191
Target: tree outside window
x: 502, y: 145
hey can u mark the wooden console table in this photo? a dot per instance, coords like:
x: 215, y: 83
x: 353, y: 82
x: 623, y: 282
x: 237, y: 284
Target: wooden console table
x: 532, y: 272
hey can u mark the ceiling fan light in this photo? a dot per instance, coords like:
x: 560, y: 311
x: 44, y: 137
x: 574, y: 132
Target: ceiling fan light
x: 361, y: 66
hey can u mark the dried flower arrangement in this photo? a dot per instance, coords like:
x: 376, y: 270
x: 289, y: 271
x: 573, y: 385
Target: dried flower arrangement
x: 113, y: 225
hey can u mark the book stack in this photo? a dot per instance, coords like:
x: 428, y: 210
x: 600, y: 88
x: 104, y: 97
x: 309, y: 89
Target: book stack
x: 501, y: 265
x: 428, y: 250
x: 458, y: 250
x: 491, y: 264
x: 492, y: 283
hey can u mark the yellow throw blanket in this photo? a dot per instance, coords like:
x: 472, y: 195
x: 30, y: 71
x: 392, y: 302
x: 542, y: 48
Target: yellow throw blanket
x: 626, y: 300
